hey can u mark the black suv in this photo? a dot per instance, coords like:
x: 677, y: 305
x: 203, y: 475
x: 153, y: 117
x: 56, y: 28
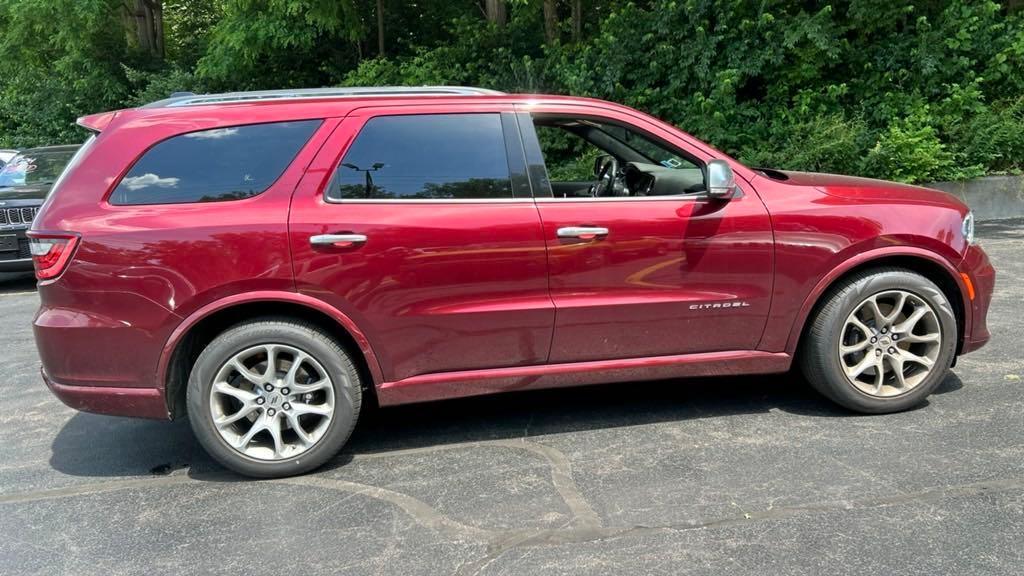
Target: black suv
x: 25, y: 182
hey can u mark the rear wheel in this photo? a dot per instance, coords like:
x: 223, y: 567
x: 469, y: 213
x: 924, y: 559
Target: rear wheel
x: 273, y: 397
x: 881, y: 341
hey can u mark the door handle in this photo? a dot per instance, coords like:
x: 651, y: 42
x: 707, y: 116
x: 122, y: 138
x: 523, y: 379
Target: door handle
x: 582, y: 232
x: 337, y: 240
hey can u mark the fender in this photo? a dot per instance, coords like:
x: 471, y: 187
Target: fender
x: 265, y: 296
x: 863, y: 258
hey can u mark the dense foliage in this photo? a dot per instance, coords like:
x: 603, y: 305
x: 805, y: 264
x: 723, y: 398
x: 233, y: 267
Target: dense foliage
x: 912, y: 91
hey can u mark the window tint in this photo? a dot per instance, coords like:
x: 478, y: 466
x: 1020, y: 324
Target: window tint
x: 428, y: 156
x: 214, y: 165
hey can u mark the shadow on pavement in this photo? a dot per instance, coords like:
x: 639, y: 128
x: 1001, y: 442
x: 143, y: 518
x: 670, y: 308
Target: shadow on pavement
x: 1010, y: 229
x: 99, y: 446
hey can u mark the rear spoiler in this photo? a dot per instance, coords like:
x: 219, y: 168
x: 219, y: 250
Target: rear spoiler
x: 97, y: 122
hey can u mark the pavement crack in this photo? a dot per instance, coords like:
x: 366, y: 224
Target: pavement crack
x: 418, y: 510
x: 561, y: 478
x: 558, y: 463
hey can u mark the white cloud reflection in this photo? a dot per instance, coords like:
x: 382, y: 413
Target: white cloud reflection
x: 147, y: 180
x: 214, y: 134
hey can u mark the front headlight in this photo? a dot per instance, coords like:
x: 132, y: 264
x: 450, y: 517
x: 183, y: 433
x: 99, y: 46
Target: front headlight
x: 968, y: 228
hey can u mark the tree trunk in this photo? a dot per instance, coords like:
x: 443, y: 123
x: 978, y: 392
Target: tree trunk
x: 495, y: 11
x: 147, y: 19
x: 550, y: 21
x: 380, y: 28
x: 577, y: 20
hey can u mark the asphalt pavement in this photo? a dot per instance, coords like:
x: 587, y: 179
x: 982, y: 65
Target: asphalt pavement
x: 731, y: 476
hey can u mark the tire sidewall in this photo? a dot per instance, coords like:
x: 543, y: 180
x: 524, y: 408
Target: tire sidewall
x: 344, y: 380
x: 843, y: 391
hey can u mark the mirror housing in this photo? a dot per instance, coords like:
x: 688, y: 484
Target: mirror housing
x: 721, y: 182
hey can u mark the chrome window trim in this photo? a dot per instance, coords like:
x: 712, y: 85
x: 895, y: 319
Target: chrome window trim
x: 674, y: 197
x: 427, y: 200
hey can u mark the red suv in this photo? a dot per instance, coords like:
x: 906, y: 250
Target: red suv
x: 269, y: 262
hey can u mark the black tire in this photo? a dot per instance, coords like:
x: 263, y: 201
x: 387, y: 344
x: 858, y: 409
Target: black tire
x: 334, y: 359
x: 819, y: 353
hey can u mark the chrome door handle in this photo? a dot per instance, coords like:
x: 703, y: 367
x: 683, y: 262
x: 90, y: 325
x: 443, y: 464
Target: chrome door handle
x: 582, y: 232
x: 340, y: 240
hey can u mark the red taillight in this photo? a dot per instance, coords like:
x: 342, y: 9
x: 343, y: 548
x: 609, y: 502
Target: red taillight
x: 51, y: 253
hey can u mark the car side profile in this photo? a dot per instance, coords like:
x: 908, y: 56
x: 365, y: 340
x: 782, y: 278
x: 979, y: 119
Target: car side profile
x: 268, y: 263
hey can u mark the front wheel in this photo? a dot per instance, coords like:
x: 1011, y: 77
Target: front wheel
x: 273, y: 397
x: 881, y: 341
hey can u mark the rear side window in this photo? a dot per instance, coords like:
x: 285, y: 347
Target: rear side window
x: 214, y: 165
x: 428, y: 156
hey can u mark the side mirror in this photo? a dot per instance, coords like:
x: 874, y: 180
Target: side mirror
x: 721, y: 182
x: 599, y: 162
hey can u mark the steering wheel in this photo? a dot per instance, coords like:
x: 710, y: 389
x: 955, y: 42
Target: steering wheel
x: 606, y: 173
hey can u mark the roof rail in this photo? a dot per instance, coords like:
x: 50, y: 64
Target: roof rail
x: 308, y: 93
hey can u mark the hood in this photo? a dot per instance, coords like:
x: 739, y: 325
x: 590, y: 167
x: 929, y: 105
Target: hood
x: 24, y: 192
x: 867, y: 189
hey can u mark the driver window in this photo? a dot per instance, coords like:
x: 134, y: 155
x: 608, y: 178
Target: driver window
x: 576, y: 149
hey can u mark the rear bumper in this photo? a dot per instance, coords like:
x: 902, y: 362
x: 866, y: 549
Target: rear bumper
x: 134, y: 402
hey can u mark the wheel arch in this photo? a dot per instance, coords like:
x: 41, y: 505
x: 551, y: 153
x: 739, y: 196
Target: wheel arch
x: 924, y: 262
x: 200, y: 327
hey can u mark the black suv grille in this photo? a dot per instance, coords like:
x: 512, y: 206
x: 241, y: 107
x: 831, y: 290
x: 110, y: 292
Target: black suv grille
x: 17, y: 215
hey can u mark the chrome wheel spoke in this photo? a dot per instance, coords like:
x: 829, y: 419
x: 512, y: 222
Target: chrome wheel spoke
x: 860, y: 367
x: 879, y: 374
x: 304, y: 437
x: 920, y: 338
x: 845, y: 350
x: 876, y: 312
x: 300, y: 408
x: 894, y: 313
x: 258, y: 426
x: 279, y: 417
x: 246, y: 373
x: 307, y: 388
x: 911, y: 321
x: 274, y: 427
x: 922, y: 360
x: 243, y: 412
x: 243, y: 396
x: 897, y: 370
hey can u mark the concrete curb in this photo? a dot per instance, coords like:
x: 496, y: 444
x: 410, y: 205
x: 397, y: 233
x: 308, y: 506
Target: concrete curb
x: 990, y: 197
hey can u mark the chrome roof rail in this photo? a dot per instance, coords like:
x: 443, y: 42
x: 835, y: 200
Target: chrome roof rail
x: 185, y: 99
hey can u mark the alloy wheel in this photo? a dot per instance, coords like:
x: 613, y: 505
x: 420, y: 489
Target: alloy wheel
x: 272, y: 402
x: 890, y: 343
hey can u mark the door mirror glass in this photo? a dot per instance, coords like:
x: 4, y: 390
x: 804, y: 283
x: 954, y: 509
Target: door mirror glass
x: 599, y: 162
x: 721, y: 182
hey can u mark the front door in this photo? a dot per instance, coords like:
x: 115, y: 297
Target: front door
x: 643, y: 266
x: 420, y: 226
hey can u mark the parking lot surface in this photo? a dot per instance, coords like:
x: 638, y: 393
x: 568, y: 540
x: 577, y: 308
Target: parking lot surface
x: 720, y: 476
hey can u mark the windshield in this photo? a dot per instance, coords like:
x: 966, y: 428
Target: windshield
x: 35, y: 168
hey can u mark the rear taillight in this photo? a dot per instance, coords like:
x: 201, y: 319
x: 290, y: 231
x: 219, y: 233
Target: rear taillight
x: 51, y: 252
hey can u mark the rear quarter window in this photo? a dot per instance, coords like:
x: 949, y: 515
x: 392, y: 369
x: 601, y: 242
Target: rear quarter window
x: 215, y: 165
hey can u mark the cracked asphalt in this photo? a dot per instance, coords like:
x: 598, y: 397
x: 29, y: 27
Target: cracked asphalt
x: 721, y: 476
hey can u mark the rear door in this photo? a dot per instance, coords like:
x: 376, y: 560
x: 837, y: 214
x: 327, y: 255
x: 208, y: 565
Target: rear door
x: 647, y: 275
x: 419, y: 224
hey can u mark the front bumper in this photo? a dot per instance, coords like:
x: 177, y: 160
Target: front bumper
x: 134, y: 402
x: 983, y: 278
x: 19, y: 259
